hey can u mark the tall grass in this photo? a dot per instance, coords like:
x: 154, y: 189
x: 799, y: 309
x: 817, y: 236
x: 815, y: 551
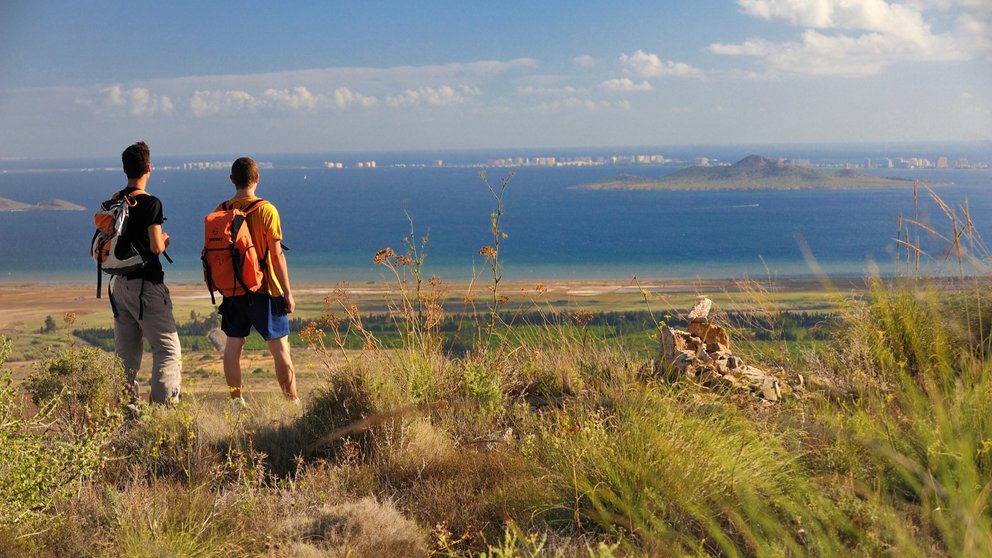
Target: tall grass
x: 918, y: 434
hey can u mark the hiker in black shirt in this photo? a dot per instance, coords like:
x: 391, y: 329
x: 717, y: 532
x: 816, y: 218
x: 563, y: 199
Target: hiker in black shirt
x: 140, y: 300
x: 146, y: 211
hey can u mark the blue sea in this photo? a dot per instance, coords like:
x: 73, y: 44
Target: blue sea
x: 334, y: 220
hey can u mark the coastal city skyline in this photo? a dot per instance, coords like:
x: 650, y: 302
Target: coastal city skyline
x: 83, y: 80
x: 640, y: 159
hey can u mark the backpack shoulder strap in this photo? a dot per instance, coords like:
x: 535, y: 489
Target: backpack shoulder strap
x: 129, y: 198
x: 254, y: 205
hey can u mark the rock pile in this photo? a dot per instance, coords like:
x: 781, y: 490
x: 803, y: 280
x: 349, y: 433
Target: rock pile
x: 217, y: 338
x: 703, y: 355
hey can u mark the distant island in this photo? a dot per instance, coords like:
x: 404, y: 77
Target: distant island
x: 753, y: 172
x: 47, y: 205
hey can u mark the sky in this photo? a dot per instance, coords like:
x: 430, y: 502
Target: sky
x: 85, y: 79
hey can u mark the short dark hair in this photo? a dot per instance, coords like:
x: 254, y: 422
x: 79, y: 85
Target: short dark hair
x: 136, y: 159
x: 244, y: 172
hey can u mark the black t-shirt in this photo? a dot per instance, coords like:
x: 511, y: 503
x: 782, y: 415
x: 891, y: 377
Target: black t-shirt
x: 146, y: 212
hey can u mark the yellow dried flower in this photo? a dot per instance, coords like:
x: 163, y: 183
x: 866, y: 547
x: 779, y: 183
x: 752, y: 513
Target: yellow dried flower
x: 311, y: 334
x: 352, y: 311
x: 382, y: 255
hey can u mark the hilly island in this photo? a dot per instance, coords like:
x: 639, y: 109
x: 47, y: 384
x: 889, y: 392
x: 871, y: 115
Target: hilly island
x: 47, y: 205
x: 753, y: 172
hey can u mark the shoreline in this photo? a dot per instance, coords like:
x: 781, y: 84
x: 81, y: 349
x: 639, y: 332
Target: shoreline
x: 25, y: 304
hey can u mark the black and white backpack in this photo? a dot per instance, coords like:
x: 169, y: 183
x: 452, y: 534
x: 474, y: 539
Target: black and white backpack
x: 112, y: 254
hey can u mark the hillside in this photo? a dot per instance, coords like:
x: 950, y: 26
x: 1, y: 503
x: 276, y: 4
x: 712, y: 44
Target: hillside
x: 47, y: 205
x: 753, y: 172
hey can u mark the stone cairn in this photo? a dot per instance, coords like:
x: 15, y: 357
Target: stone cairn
x: 702, y: 355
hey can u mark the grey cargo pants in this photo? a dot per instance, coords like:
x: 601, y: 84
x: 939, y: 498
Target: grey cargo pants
x: 157, y: 325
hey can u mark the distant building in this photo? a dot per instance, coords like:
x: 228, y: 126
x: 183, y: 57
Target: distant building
x: 702, y: 161
x: 942, y: 162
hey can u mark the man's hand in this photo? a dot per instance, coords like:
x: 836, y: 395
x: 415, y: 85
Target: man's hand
x: 157, y: 239
x: 289, y: 302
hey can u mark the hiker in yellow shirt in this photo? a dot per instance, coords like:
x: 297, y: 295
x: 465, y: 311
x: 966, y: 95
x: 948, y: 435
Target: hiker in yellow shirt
x: 267, y: 310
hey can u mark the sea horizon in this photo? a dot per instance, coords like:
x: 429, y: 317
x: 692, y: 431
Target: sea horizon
x: 979, y: 150
x: 335, y: 219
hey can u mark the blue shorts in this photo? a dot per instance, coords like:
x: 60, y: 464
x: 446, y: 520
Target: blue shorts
x: 267, y: 314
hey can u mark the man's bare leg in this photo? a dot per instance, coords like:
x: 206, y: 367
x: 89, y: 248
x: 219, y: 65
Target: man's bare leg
x: 232, y: 365
x: 285, y: 373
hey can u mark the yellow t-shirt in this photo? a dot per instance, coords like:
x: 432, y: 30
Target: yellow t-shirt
x: 263, y: 225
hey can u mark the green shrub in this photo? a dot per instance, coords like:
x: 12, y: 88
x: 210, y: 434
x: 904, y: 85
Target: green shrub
x: 165, y: 442
x: 87, y: 383
x: 481, y: 384
x: 41, y: 462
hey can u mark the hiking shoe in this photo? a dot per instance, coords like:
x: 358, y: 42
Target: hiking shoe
x: 238, y: 405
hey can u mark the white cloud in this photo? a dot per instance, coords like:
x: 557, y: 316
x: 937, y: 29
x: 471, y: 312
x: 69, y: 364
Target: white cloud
x: 344, y: 98
x: 647, y: 65
x: 440, y: 96
x: 310, y: 91
x: 298, y: 98
x: 204, y: 103
x: 856, y: 38
x: 575, y: 103
x: 137, y: 101
x: 625, y: 84
x: 585, y: 61
x: 862, y: 15
x: 552, y: 91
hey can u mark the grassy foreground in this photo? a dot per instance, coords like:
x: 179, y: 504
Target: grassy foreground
x: 558, y: 443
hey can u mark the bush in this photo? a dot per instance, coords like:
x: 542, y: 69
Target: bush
x: 166, y: 443
x: 42, y: 463
x: 87, y: 383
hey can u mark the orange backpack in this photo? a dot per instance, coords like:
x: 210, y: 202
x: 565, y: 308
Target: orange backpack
x: 231, y: 265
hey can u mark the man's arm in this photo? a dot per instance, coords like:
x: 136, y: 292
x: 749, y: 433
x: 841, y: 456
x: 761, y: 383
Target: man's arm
x: 282, y: 273
x: 158, y: 240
